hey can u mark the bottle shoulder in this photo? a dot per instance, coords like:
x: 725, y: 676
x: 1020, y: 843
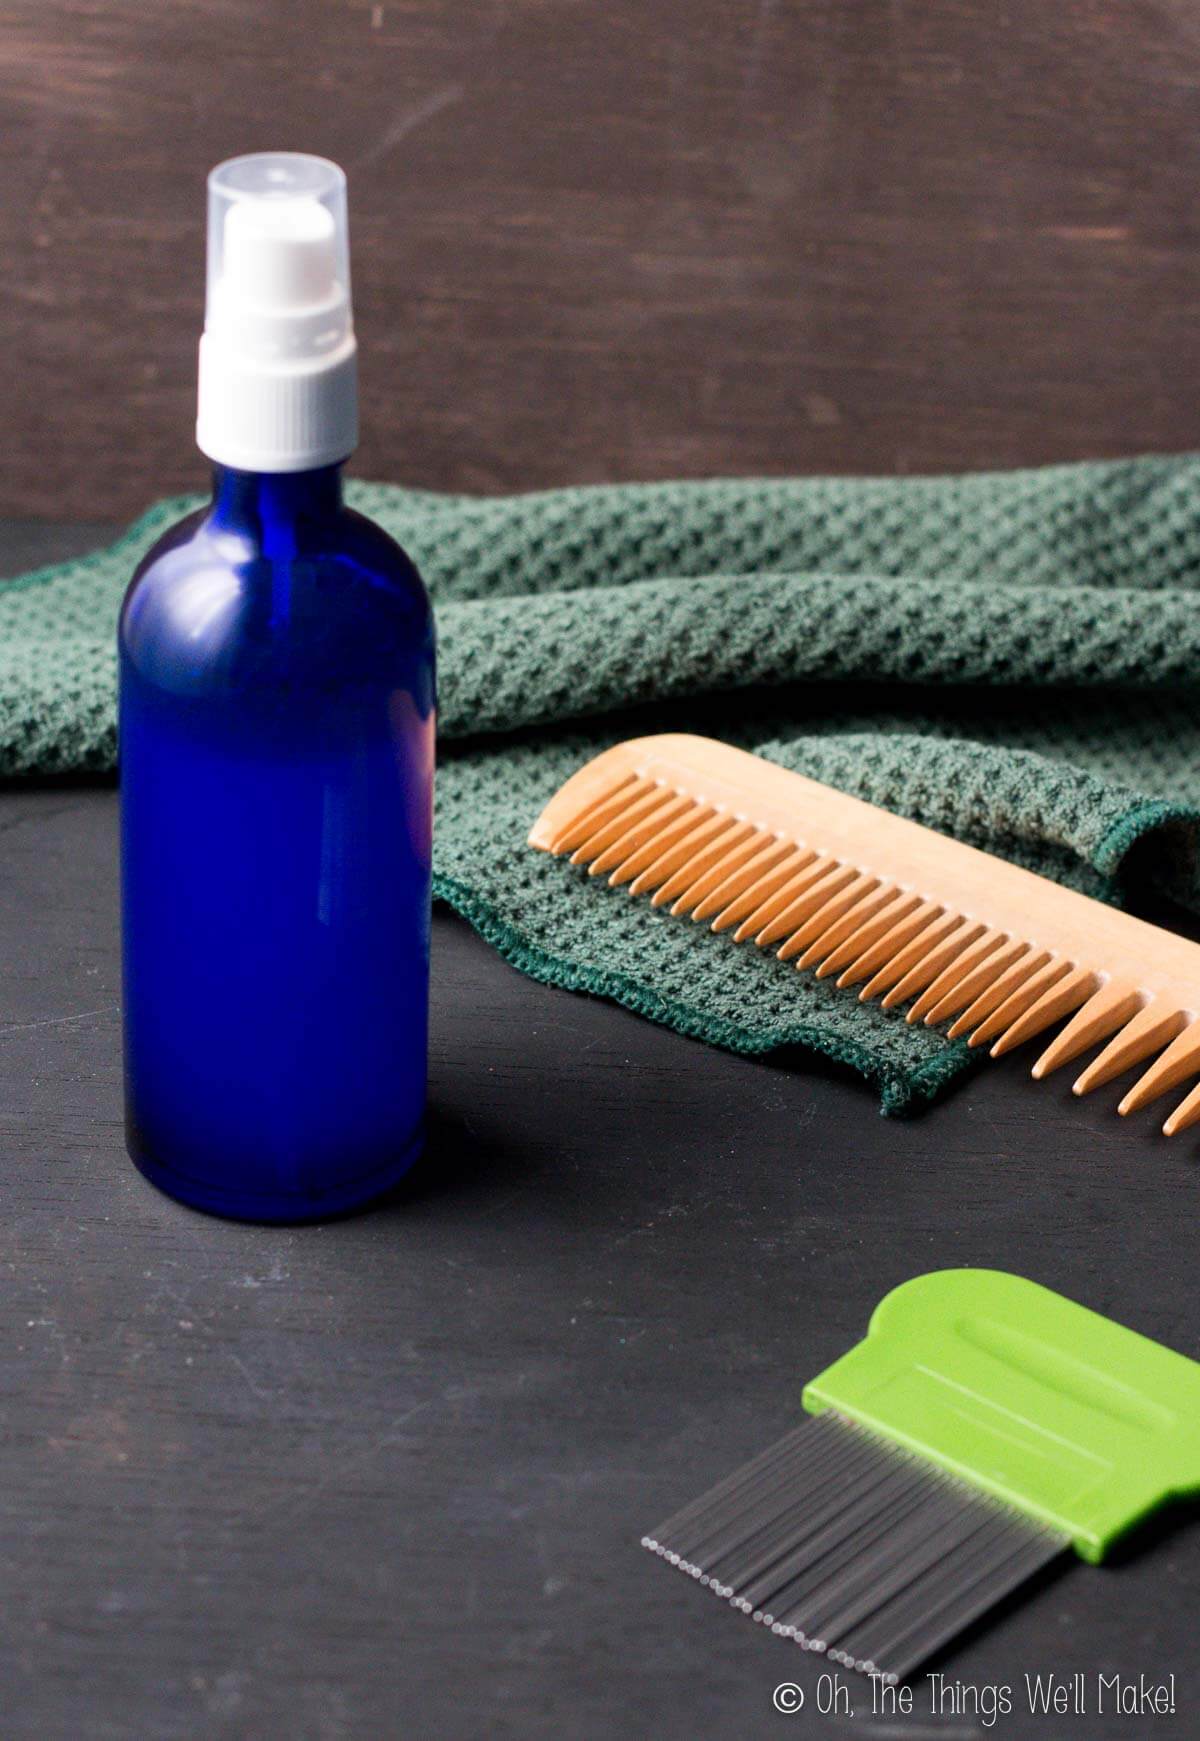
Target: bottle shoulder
x: 208, y: 607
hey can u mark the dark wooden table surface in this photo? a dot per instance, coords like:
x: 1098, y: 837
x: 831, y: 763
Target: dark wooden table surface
x: 386, y: 1477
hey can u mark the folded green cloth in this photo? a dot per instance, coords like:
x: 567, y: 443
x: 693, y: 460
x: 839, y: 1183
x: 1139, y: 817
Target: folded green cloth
x: 1012, y: 658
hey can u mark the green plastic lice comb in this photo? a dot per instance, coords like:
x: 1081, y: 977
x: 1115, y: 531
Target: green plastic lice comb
x: 982, y: 1427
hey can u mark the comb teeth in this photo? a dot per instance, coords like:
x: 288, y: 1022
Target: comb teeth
x: 929, y: 937
x: 853, y: 1548
x: 992, y: 952
x: 827, y: 916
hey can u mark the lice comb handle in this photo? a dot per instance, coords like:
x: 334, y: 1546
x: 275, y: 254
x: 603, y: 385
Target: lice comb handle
x: 1077, y: 1422
x: 898, y: 911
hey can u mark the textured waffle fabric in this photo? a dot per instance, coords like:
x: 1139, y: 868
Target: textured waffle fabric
x: 1012, y: 658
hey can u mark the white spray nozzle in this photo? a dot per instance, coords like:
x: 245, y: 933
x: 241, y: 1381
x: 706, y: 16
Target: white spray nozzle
x: 279, y: 254
x: 277, y: 360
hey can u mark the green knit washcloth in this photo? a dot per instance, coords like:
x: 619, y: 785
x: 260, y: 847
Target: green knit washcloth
x: 1012, y: 658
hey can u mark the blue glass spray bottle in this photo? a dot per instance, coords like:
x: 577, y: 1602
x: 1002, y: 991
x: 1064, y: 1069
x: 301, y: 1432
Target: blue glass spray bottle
x: 276, y: 750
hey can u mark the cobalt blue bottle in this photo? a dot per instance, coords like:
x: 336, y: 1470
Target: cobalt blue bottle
x: 276, y: 749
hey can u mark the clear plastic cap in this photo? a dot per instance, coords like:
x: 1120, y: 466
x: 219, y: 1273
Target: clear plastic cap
x: 278, y: 241
x: 277, y: 360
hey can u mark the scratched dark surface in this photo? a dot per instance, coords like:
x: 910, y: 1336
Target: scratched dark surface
x: 636, y: 239
x: 386, y: 1477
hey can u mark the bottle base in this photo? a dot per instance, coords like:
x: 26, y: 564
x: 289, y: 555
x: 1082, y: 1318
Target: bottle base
x: 277, y: 1207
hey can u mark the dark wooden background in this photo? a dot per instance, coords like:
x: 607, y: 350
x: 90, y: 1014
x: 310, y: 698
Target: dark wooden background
x: 642, y: 238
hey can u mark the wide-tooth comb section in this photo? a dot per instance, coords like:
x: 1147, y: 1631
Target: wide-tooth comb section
x: 1184, y: 1115
x: 850, y: 923
x: 1018, y: 1001
x: 1180, y: 1060
x: 728, y: 833
x: 886, y: 948
x: 1057, y: 1001
x: 1029, y: 962
x: 711, y: 866
x: 1140, y: 1038
x: 918, y: 950
x: 952, y: 989
x: 610, y: 803
x: 720, y: 871
x: 826, y: 916
x: 716, y: 869
x: 931, y: 964
x: 1104, y: 1012
x: 793, y: 904
x: 747, y: 874
x: 671, y: 855
x: 658, y: 856
x: 604, y: 833
x: 753, y: 902
x: 865, y: 933
x: 648, y: 828
x: 971, y: 944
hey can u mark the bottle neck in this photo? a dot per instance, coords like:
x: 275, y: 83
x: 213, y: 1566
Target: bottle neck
x: 282, y: 513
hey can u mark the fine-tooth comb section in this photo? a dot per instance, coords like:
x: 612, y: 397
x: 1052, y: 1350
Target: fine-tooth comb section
x: 853, y: 1548
x: 981, y: 1428
x: 899, y: 913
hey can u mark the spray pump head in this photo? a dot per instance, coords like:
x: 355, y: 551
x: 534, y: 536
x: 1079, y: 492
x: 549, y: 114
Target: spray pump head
x: 278, y: 379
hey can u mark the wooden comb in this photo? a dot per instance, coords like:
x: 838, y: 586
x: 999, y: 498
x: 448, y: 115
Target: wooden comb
x: 889, y: 907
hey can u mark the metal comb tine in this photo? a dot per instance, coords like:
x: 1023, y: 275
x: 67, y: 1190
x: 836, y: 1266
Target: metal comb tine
x: 1110, y: 1008
x: 606, y: 832
x: 796, y: 1449
x: 861, y: 1479
x: 611, y: 803
x: 1027, y: 963
x: 818, y: 923
x: 745, y: 876
x: 899, y: 905
x: 736, y: 1544
x: 1148, y: 1032
x: 944, y: 991
x: 677, y: 851
x: 888, y: 945
x: 794, y: 1606
x: 979, y: 1587
x: 647, y: 828
x: 905, y: 1556
x: 760, y: 903
x: 822, y: 947
x: 780, y: 1583
x: 1180, y: 1060
x: 802, y: 906
x: 831, y: 1558
x: 931, y: 964
x: 987, y: 1537
x: 875, y: 1533
x: 1017, y: 1002
x: 715, y: 856
x: 1054, y: 1003
x: 718, y: 871
x: 742, y: 1478
x: 924, y: 940
x: 1184, y: 1115
x: 686, y: 855
x: 734, y: 1526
